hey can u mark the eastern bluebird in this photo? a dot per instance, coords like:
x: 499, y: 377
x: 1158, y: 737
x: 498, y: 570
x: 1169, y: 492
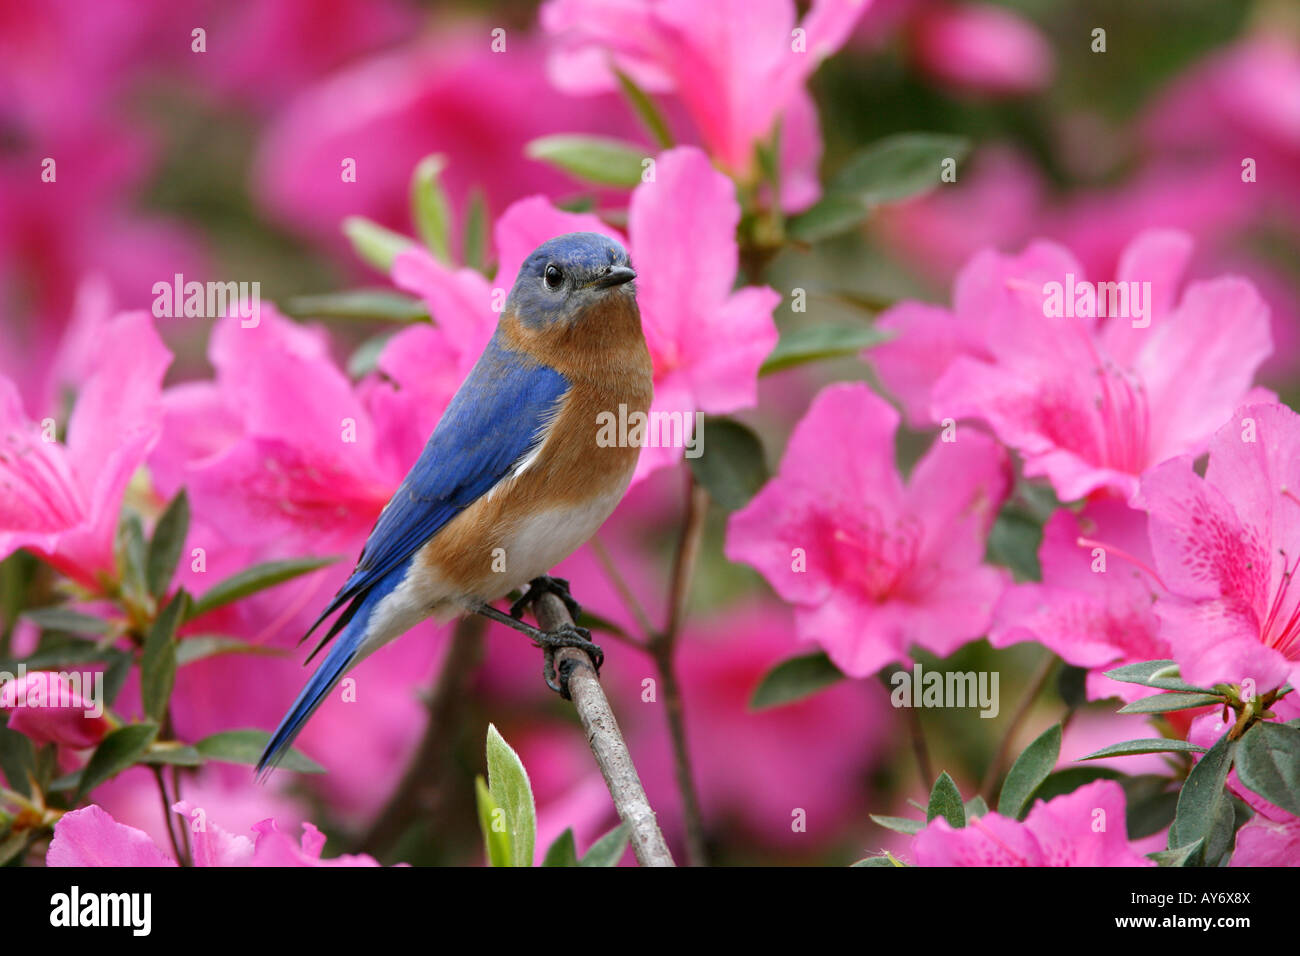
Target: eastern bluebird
x: 512, y: 480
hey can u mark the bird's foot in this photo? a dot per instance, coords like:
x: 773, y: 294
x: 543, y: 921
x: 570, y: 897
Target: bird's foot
x: 566, y: 635
x: 543, y: 585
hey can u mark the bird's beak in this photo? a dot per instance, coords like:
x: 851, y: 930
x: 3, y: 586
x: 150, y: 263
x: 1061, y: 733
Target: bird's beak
x: 616, y: 275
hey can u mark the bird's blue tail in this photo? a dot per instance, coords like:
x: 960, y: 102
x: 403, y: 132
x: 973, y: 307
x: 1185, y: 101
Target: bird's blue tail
x: 345, y: 652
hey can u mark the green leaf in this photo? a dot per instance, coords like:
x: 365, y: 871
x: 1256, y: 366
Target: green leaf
x: 383, y: 305
x: 888, y: 860
x: 198, y: 647
x: 251, y: 580
x: 508, y: 782
x: 170, y: 752
x: 812, y: 343
x: 129, y: 550
x: 1162, y: 675
x: 1070, y: 779
x: 120, y: 749
x: 374, y: 244
x: 17, y: 759
x: 1013, y: 543
x: 645, y: 109
x: 167, y: 544
x: 14, y: 844
x: 1205, y: 812
x: 476, y: 230
x: 794, y: 679
x: 65, y: 619
x: 158, y: 659
x: 608, y: 850
x: 1167, y: 703
x: 976, y: 807
x: 728, y: 462
x: 898, y: 824
x: 595, y: 159
x: 1151, y: 804
x: 563, y: 852
x: 430, y: 208
x: 832, y: 216
x: 1072, y: 685
x: 1180, y: 856
x: 365, y: 358
x: 492, y: 821
x: 1029, y: 771
x: 1268, y: 762
x: 1147, y: 745
x: 246, y: 746
x: 898, y: 167
x: 945, y: 801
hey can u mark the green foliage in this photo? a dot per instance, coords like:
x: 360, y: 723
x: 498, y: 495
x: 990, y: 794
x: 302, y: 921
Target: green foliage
x: 794, y: 679
x: 731, y: 467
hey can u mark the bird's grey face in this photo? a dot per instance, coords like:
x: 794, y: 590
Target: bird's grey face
x: 567, y: 275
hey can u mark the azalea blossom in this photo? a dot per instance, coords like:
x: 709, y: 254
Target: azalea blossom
x: 61, y: 500
x: 738, y: 66
x: 1089, y: 403
x: 1095, y: 604
x: 1083, y: 828
x: 1227, y: 547
x: 48, y: 707
x: 873, y: 565
x: 90, y: 837
x: 1263, y: 842
x: 706, y: 341
x: 981, y: 48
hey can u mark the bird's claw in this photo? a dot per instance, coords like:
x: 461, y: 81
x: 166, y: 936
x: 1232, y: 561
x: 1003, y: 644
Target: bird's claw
x: 566, y: 635
x: 546, y: 584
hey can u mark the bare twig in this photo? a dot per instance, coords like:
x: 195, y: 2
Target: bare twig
x: 421, y: 791
x: 1036, y: 685
x: 605, y: 739
x: 622, y: 587
x: 919, y: 749
x: 663, y: 647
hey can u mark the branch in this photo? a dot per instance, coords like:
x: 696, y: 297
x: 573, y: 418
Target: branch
x: 605, y: 739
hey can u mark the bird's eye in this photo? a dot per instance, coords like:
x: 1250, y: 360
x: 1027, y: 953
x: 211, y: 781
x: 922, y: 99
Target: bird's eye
x: 553, y: 277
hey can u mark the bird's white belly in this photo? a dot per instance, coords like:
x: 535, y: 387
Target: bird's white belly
x: 542, y: 540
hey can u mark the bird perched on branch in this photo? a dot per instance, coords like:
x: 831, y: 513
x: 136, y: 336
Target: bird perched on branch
x: 512, y: 480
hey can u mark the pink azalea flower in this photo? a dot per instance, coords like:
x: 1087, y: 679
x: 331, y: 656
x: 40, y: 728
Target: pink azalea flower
x: 1094, y: 605
x: 1090, y: 404
x: 1083, y: 828
x: 90, y: 837
x: 1264, y: 842
x: 448, y: 93
x: 707, y: 342
x: 734, y: 64
x: 981, y: 48
x: 872, y: 565
x: 48, y: 708
x: 1227, y: 547
x: 61, y: 501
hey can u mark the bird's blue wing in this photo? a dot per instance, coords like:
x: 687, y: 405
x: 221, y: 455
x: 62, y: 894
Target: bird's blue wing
x: 495, y: 419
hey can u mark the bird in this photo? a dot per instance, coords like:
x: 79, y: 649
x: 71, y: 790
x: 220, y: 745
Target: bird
x: 513, y: 478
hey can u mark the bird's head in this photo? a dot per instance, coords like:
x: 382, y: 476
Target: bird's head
x: 567, y: 275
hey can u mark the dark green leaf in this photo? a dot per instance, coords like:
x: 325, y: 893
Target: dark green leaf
x: 383, y: 305
x: 158, y: 660
x: 945, y: 801
x: 834, y: 215
x: 563, y: 852
x: 812, y: 343
x: 1013, y: 543
x: 1151, y: 801
x: 1268, y: 762
x: 1071, y: 779
x: 251, y: 580
x: 1167, y: 703
x: 1072, y: 685
x: 171, y: 753
x: 65, y: 619
x: 1179, y: 856
x: 898, y: 167
x: 476, y: 230
x: 374, y: 244
x: 1205, y: 810
x: 888, y: 860
x: 1162, y: 675
x: 645, y: 110
x: 17, y: 759
x: 794, y: 679
x: 1028, y: 772
x: 608, y: 850
x: 1147, y: 745
x: 13, y: 845
x: 595, y: 159
x: 129, y: 550
x: 430, y: 209
x: 728, y: 462
x: 118, y: 750
x: 167, y: 544
x: 246, y: 746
